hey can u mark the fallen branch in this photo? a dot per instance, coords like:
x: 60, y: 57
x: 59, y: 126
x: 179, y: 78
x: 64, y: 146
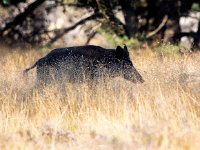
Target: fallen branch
x: 152, y: 33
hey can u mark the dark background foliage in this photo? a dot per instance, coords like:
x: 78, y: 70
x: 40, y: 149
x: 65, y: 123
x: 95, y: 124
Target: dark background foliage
x: 146, y: 20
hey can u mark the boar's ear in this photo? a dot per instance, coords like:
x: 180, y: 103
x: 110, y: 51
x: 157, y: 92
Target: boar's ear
x: 119, y: 52
x: 126, y: 53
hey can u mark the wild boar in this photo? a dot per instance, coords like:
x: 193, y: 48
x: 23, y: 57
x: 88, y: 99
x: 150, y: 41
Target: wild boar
x: 83, y: 63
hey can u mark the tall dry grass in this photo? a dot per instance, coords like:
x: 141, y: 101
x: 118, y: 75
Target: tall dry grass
x: 162, y: 113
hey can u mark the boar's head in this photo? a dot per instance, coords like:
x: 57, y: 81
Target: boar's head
x: 126, y: 67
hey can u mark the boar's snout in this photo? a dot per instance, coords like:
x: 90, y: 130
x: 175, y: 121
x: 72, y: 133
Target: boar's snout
x: 133, y: 75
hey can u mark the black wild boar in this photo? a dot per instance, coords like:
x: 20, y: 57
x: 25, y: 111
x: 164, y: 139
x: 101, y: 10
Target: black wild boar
x: 82, y: 63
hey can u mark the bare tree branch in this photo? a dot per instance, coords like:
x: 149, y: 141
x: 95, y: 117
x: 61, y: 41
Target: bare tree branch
x: 152, y: 33
x: 62, y: 32
x: 90, y: 37
x: 22, y: 16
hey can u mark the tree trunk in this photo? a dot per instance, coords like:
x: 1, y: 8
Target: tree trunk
x: 171, y: 9
x: 197, y: 38
x: 130, y: 17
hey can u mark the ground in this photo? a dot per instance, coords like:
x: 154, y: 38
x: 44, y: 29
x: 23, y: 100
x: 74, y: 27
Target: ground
x: 162, y: 113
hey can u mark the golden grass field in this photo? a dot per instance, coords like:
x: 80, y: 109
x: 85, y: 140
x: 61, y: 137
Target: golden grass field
x: 162, y: 113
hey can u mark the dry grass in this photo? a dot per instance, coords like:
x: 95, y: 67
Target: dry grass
x: 162, y: 113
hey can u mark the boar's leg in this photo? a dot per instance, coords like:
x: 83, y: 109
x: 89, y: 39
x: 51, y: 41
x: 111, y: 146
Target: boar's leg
x: 43, y: 75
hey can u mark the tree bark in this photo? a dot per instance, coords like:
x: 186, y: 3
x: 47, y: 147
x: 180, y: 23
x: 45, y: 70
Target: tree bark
x: 197, y: 38
x: 130, y: 17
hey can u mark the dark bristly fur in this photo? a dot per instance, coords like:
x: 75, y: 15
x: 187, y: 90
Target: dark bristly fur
x: 84, y: 63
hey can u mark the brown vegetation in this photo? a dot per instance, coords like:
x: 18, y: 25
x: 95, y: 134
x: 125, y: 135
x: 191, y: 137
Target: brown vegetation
x: 162, y: 113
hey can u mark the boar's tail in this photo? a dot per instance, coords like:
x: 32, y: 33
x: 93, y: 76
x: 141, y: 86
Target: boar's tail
x: 26, y: 70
